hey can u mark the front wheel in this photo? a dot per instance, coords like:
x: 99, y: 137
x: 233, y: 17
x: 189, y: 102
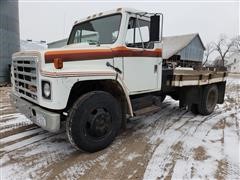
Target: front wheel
x: 94, y: 121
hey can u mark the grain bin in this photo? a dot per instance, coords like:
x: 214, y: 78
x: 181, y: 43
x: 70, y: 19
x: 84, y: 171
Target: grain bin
x: 9, y: 36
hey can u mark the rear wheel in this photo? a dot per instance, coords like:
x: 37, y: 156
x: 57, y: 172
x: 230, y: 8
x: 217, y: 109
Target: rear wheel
x: 194, y: 109
x: 209, y: 100
x: 175, y: 96
x: 94, y: 121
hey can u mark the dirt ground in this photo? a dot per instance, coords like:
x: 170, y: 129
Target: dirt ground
x: 170, y: 144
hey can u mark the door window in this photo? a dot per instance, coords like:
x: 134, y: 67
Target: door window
x: 138, y: 32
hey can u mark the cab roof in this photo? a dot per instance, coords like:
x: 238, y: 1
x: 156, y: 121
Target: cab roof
x: 105, y: 13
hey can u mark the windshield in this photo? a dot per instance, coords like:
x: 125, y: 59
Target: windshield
x: 98, y: 31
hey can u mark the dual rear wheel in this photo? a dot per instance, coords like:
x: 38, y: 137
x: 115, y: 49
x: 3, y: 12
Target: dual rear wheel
x: 208, y: 102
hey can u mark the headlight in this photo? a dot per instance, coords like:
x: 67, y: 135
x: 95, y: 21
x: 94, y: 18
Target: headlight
x: 46, y: 89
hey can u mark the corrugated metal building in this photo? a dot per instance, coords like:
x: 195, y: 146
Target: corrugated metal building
x: 186, y: 50
x: 58, y: 44
x: 9, y: 35
x: 63, y: 42
x: 26, y: 45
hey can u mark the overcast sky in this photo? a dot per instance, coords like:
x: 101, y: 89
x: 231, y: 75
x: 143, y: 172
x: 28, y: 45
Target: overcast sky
x: 52, y: 20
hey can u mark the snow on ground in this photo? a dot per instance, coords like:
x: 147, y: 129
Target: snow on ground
x: 171, y: 143
x: 200, y: 147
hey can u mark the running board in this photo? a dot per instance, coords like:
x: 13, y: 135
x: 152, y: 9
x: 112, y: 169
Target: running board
x: 147, y: 110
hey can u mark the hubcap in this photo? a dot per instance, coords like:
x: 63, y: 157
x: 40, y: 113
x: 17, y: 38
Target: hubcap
x: 99, y: 123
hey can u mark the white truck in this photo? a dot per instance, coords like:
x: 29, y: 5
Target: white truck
x: 110, y: 70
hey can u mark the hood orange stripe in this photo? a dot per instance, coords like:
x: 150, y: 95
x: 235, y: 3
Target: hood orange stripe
x: 93, y: 54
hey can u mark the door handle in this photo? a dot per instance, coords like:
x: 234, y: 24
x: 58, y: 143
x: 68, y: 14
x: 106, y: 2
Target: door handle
x: 155, y: 68
x: 114, y: 68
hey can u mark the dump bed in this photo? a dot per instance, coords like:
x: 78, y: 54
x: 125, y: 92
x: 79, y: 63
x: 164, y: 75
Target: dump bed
x: 183, y: 77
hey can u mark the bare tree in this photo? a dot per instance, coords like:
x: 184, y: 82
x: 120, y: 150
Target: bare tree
x: 208, y: 51
x: 223, y: 46
x: 237, y: 43
x: 217, y: 63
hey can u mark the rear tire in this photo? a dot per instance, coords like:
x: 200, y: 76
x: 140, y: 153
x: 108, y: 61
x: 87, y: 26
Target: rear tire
x: 194, y: 109
x: 94, y: 121
x: 209, y: 100
x: 175, y: 96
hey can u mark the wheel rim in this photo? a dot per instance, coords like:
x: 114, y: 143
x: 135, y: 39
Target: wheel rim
x: 99, y: 123
x: 212, y: 99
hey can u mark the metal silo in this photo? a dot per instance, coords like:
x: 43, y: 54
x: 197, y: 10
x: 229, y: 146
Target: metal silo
x: 9, y: 35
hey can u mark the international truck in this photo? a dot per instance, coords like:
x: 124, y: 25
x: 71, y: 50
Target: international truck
x: 110, y: 71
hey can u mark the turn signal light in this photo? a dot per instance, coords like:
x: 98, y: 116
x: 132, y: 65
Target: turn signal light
x: 58, y: 63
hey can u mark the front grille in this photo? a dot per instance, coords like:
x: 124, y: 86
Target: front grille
x: 25, y: 77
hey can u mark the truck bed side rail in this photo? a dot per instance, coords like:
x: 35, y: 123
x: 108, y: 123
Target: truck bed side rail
x: 182, y: 78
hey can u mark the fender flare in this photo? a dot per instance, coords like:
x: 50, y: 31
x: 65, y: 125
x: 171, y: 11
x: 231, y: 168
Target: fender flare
x: 126, y: 94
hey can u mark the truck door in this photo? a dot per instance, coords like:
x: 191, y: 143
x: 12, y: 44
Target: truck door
x: 141, y: 66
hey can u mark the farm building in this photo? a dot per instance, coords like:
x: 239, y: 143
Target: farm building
x: 58, y: 44
x: 32, y: 45
x: 9, y: 36
x: 185, y: 50
x: 233, y: 62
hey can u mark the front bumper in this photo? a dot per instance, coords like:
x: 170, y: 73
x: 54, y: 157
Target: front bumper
x: 49, y: 121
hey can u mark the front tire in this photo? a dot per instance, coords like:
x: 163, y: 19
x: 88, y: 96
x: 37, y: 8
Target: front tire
x: 94, y: 121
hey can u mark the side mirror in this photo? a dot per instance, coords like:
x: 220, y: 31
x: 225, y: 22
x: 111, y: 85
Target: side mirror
x: 156, y: 28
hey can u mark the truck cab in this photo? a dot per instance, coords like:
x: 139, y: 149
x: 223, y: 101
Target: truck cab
x: 112, y: 61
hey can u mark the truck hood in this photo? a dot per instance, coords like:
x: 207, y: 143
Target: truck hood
x: 78, y: 52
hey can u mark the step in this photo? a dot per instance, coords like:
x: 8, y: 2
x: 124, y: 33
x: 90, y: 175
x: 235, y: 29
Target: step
x: 147, y: 110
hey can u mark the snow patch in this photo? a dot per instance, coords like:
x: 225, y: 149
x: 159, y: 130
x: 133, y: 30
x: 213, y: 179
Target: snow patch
x: 132, y: 156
